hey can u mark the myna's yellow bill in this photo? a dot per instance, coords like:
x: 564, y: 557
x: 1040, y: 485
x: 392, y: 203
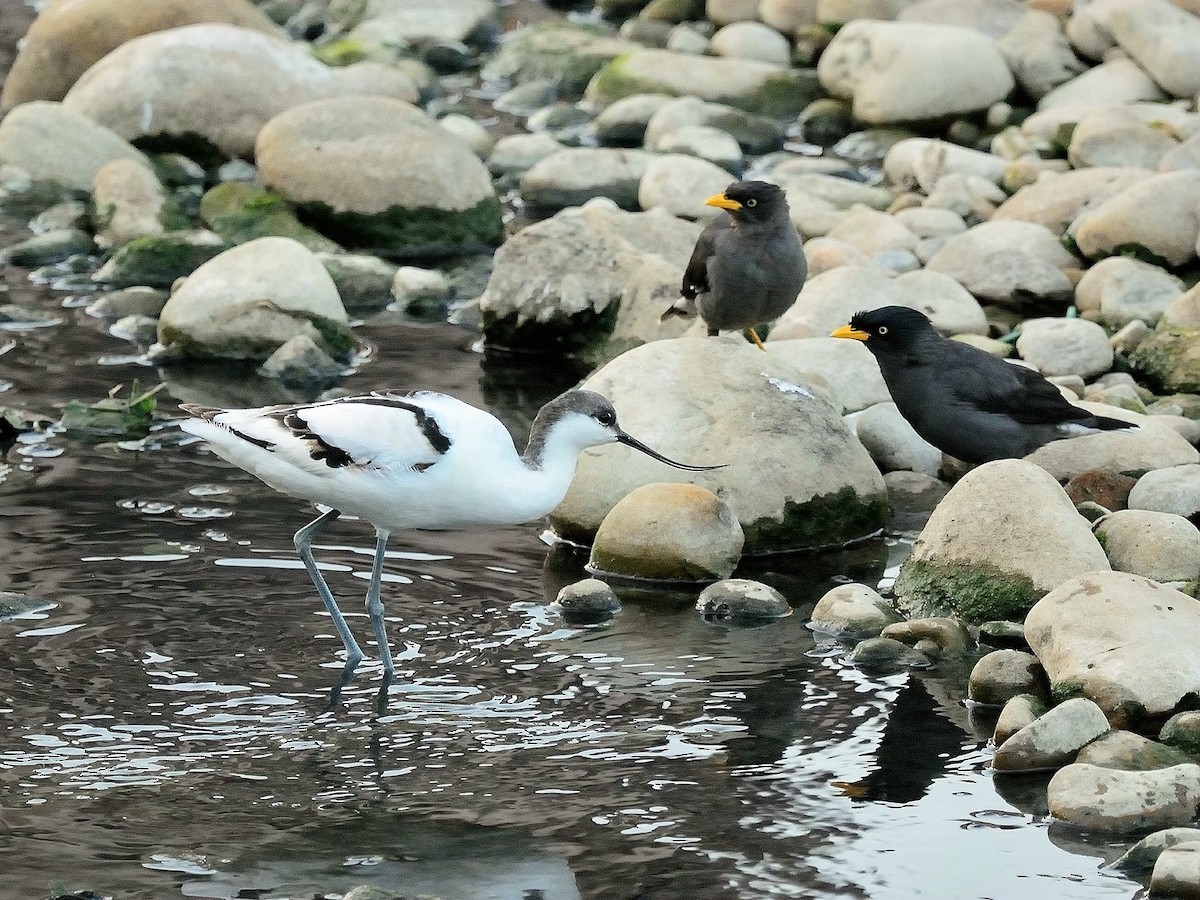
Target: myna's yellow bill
x: 723, y: 202
x: 849, y: 331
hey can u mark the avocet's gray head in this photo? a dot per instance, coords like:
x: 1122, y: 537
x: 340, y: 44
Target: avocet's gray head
x: 585, y: 419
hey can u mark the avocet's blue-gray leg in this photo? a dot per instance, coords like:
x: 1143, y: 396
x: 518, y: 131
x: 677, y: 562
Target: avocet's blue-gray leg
x: 375, y: 605
x: 304, y: 539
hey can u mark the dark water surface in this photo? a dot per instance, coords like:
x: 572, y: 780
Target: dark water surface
x: 171, y: 727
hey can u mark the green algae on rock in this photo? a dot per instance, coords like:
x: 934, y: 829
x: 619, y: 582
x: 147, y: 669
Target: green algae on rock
x: 1170, y: 358
x: 158, y: 260
x: 241, y: 212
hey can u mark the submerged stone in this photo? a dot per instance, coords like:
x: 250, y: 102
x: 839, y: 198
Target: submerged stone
x: 158, y: 260
x: 742, y: 600
x: 589, y: 600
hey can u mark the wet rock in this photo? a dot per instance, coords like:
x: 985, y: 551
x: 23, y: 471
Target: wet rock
x: 948, y: 635
x: 67, y: 38
x: 1169, y: 490
x: 1019, y: 712
x: 140, y: 301
x: 1110, y: 800
x: 848, y: 366
x: 158, y: 260
x: 892, y: 442
x: 590, y: 600
x: 890, y: 70
x: 1151, y: 445
x: 795, y: 476
x: 681, y: 184
x: 363, y: 282
x: 1065, y: 346
x: 517, y: 153
x: 1053, y: 740
x: 137, y: 329
x: 416, y: 289
x: 913, y: 497
x: 668, y: 532
x: 1008, y: 262
x: 1122, y: 289
x: 1170, y: 359
x: 557, y: 285
x: 49, y: 247
x: 113, y: 417
x: 1121, y: 640
x: 756, y: 87
x: 1140, y: 858
x: 1154, y: 217
x: 300, y: 362
x: 52, y: 143
x: 1130, y: 752
x: 241, y: 212
x: 1002, y: 537
x: 742, y: 600
x: 129, y: 202
x: 1161, y: 546
x: 14, y: 604
x: 1177, y: 872
x: 250, y: 300
x: 1182, y: 730
x: 852, y: 610
x: 1003, y: 674
x: 1108, y: 489
x: 887, y: 654
x: 218, y: 82
x: 378, y: 173
x: 573, y: 175
x: 26, y: 317
x: 567, y: 54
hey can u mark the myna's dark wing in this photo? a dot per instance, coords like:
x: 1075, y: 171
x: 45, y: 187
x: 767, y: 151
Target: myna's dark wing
x: 994, y: 386
x: 695, y: 276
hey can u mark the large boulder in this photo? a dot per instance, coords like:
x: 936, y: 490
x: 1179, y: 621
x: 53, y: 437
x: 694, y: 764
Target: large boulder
x: 588, y: 274
x: 756, y: 87
x: 250, y: 300
x: 895, y: 72
x: 68, y: 36
x: 794, y: 474
x: 220, y: 83
x: 1121, y: 640
x: 52, y: 143
x: 1003, y: 537
x: 379, y: 174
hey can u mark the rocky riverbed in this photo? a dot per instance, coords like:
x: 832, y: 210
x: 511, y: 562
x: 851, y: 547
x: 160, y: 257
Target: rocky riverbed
x: 240, y: 190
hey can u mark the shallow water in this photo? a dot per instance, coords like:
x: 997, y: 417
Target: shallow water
x: 173, y: 726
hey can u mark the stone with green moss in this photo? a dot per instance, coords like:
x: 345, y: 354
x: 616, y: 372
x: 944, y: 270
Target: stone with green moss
x: 1170, y: 359
x: 753, y: 86
x: 409, y: 233
x: 567, y: 54
x: 975, y: 593
x: 50, y: 247
x: 241, y: 212
x: 158, y: 260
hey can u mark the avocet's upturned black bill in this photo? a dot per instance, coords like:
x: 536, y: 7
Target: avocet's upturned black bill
x: 410, y: 460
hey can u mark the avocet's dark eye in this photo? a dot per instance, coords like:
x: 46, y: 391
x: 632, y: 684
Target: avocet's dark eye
x: 606, y: 417
x: 752, y: 202
x: 882, y: 329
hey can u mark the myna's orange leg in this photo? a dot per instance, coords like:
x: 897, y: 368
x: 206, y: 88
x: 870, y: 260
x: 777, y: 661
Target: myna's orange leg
x: 753, y: 335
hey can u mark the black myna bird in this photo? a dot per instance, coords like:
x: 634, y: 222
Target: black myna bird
x: 962, y: 400
x: 748, y: 265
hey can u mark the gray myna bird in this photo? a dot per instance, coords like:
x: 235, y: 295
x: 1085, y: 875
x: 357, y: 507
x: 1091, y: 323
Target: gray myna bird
x: 748, y: 265
x: 961, y: 399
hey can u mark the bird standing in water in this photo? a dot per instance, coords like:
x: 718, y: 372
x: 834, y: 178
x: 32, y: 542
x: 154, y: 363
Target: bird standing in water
x: 961, y: 399
x: 410, y: 460
x: 748, y: 265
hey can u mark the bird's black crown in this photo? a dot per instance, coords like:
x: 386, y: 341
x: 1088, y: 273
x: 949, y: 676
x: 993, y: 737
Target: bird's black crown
x: 891, y: 324
x: 758, y: 199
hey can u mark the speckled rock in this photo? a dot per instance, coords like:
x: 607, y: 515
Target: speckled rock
x: 948, y: 635
x: 1018, y: 712
x: 1130, y: 752
x: 1004, y: 536
x: 1115, y: 801
x: 1140, y: 858
x: 1182, y: 730
x: 1161, y: 546
x: 1054, y: 739
x: 742, y: 600
x: 852, y: 610
x: 887, y: 654
x: 668, y: 532
x: 1177, y: 872
x: 795, y: 476
x: 1121, y: 640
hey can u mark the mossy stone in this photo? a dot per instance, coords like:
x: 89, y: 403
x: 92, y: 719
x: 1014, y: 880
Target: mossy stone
x: 976, y: 593
x: 51, y: 247
x: 407, y: 233
x: 157, y: 260
x: 240, y: 212
x: 335, y: 338
x: 1182, y: 730
x: 584, y: 334
x: 342, y: 51
x: 1170, y: 358
x: 829, y: 520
